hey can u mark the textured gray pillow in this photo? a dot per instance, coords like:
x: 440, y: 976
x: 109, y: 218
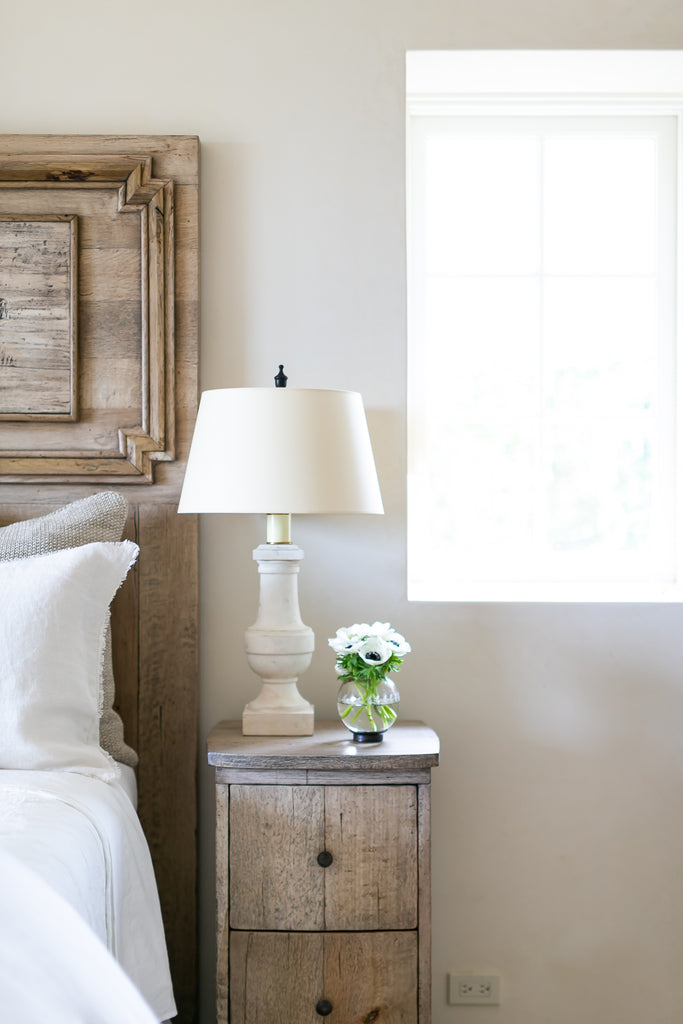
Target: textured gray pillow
x: 101, y: 517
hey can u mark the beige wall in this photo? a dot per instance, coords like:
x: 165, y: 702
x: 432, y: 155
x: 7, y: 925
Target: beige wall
x: 558, y: 853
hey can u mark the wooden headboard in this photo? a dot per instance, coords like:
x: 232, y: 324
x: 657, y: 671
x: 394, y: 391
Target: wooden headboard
x: 99, y: 332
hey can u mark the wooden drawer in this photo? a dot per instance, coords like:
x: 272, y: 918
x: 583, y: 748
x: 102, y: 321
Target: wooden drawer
x: 276, y: 977
x: 276, y: 880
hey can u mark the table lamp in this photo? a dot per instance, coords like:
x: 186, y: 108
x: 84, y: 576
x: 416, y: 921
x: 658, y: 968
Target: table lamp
x: 280, y: 451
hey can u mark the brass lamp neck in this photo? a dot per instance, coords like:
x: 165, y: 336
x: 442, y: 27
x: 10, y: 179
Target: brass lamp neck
x: 279, y: 528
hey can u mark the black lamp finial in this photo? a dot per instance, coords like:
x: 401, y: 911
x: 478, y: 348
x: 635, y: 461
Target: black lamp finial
x: 281, y: 378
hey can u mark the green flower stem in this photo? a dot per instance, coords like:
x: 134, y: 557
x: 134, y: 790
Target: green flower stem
x: 366, y: 678
x: 367, y: 691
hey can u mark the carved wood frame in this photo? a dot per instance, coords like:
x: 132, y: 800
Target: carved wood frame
x: 153, y: 440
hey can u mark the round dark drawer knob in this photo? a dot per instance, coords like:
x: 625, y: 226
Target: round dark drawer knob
x: 323, y: 1006
x: 324, y: 860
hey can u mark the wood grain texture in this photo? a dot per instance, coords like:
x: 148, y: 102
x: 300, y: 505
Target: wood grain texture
x: 38, y: 317
x: 424, y: 832
x: 412, y: 746
x: 222, y: 901
x: 167, y: 719
x: 371, y: 831
x: 280, y: 977
x: 155, y: 614
x: 261, y: 776
x: 276, y: 882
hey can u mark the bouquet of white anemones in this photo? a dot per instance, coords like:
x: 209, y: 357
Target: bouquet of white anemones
x: 367, y: 653
x: 365, y: 656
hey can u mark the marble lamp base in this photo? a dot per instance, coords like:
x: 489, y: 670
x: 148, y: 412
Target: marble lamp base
x: 279, y: 648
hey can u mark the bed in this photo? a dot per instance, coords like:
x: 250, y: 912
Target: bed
x: 94, y: 434
x: 50, y: 983
x: 74, y: 843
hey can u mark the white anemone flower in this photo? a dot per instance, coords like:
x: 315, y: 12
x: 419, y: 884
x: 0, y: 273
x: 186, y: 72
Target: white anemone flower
x: 381, y: 629
x: 375, y: 651
x: 374, y: 645
x: 386, y: 632
x: 349, y: 639
x: 399, y: 644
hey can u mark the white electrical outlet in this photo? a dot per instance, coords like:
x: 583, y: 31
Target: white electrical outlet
x: 473, y: 990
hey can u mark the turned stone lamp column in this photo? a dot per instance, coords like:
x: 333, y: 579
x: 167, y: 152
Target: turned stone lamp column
x: 279, y: 647
x: 294, y: 451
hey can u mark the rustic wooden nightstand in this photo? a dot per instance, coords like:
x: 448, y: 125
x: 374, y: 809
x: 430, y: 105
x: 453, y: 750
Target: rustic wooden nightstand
x: 323, y: 875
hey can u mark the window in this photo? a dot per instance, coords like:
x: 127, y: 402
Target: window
x: 542, y: 275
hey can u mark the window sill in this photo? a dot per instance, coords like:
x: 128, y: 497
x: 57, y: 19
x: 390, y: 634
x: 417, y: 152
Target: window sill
x: 546, y: 592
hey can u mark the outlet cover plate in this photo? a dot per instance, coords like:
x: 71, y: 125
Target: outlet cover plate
x: 467, y: 989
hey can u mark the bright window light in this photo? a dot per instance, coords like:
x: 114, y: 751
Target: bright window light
x: 542, y: 275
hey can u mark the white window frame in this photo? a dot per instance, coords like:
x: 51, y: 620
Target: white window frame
x: 540, y: 83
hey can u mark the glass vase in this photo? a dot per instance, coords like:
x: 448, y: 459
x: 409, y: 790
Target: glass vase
x: 368, y: 709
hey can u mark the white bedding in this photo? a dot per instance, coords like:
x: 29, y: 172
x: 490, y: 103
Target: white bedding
x: 82, y: 837
x: 52, y: 967
x: 129, y: 781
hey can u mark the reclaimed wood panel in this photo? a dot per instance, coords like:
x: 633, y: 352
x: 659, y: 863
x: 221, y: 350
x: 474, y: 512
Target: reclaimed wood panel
x: 222, y: 900
x: 228, y: 776
x: 283, y: 977
x: 167, y: 722
x: 371, y: 831
x: 424, y: 831
x: 412, y: 746
x: 38, y: 317
x: 275, y: 880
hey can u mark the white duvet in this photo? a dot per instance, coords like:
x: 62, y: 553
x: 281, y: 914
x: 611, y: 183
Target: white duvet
x: 82, y: 838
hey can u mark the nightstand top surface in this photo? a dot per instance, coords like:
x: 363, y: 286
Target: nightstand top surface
x: 406, y: 745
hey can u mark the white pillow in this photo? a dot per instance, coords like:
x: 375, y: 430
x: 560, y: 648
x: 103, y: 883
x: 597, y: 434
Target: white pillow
x: 100, y: 516
x: 54, y: 612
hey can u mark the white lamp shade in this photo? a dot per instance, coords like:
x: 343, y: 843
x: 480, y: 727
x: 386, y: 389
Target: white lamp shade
x: 281, y: 450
